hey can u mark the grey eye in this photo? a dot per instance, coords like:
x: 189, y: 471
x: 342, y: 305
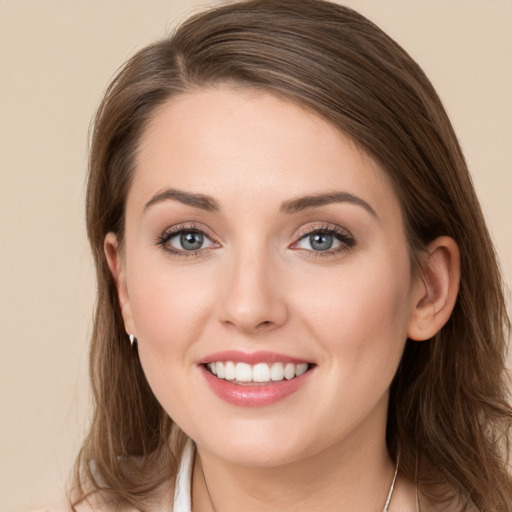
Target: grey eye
x: 321, y: 241
x: 191, y: 241
x: 186, y: 240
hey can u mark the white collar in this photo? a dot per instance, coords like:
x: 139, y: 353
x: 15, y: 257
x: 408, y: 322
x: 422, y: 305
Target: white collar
x: 182, y: 490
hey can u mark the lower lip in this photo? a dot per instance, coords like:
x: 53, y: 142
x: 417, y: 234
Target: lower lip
x: 253, y: 395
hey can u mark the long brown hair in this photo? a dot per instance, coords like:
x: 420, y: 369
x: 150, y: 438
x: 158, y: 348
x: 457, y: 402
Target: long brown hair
x: 448, y: 412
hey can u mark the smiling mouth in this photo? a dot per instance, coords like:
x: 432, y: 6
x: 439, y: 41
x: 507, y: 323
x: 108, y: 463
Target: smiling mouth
x: 260, y: 373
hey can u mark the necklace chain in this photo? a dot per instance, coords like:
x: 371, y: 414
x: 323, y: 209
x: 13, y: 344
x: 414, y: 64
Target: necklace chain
x: 391, y: 489
x: 385, y: 509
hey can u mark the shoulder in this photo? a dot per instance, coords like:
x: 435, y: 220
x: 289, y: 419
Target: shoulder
x: 56, y: 504
x: 161, y: 501
x: 53, y: 508
x: 45, y: 509
x: 64, y: 504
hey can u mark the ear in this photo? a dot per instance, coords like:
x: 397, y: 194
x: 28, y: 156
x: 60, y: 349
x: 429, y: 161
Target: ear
x: 115, y: 262
x: 435, y: 291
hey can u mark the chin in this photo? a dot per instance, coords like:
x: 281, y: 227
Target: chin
x: 257, y: 443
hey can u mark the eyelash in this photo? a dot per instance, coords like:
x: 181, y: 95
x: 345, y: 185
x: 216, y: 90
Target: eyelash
x: 343, y: 236
x: 164, y: 238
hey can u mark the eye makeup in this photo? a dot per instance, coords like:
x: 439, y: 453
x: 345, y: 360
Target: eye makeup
x: 324, y: 240
x: 191, y: 237
x: 192, y: 240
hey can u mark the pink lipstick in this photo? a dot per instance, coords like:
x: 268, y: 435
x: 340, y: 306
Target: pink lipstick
x: 254, y: 379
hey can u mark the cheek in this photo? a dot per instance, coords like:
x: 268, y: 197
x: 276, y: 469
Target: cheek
x: 170, y: 304
x: 361, y: 313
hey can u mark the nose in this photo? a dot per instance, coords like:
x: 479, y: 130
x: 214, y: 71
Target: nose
x: 254, y: 298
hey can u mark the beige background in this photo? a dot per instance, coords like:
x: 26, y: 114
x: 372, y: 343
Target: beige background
x: 56, y: 58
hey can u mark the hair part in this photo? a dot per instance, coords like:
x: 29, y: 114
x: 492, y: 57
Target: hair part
x: 449, y: 417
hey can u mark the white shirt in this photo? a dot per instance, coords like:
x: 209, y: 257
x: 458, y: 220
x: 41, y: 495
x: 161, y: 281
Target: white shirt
x: 182, y: 491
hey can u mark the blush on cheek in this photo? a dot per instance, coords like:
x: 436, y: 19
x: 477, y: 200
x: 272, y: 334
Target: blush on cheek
x: 169, y: 303
x: 361, y: 316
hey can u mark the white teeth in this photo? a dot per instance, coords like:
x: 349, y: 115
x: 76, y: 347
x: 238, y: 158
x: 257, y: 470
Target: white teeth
x: 243, y: 372
x: 261, y: 372
x: 277, y: 371
x: 230, y: 370
x: 300, y: 369
x: 221, y: 370
x: 289, y: 371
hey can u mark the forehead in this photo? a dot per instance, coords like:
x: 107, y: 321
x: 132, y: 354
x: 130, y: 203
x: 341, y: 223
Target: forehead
x: 249, y: 145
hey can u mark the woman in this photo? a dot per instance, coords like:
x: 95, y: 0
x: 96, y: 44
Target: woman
x: 299, y: 305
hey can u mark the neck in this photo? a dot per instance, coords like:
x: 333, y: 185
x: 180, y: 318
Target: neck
x: 338, y: 479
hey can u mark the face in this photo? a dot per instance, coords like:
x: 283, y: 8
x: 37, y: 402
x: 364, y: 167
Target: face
x: 262, y: 245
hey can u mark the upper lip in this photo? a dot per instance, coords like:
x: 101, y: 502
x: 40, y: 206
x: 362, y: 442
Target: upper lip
x: 261, y: 356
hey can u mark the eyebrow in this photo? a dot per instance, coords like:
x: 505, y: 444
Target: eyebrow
x: 208, y: 203
x: 200, y: 201
x: 302, y: 203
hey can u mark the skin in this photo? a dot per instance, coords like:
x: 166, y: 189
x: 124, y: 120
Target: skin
x: 258, y: 284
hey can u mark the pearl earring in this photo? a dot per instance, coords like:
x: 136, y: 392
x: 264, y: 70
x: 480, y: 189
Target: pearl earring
x: 133, y: 340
